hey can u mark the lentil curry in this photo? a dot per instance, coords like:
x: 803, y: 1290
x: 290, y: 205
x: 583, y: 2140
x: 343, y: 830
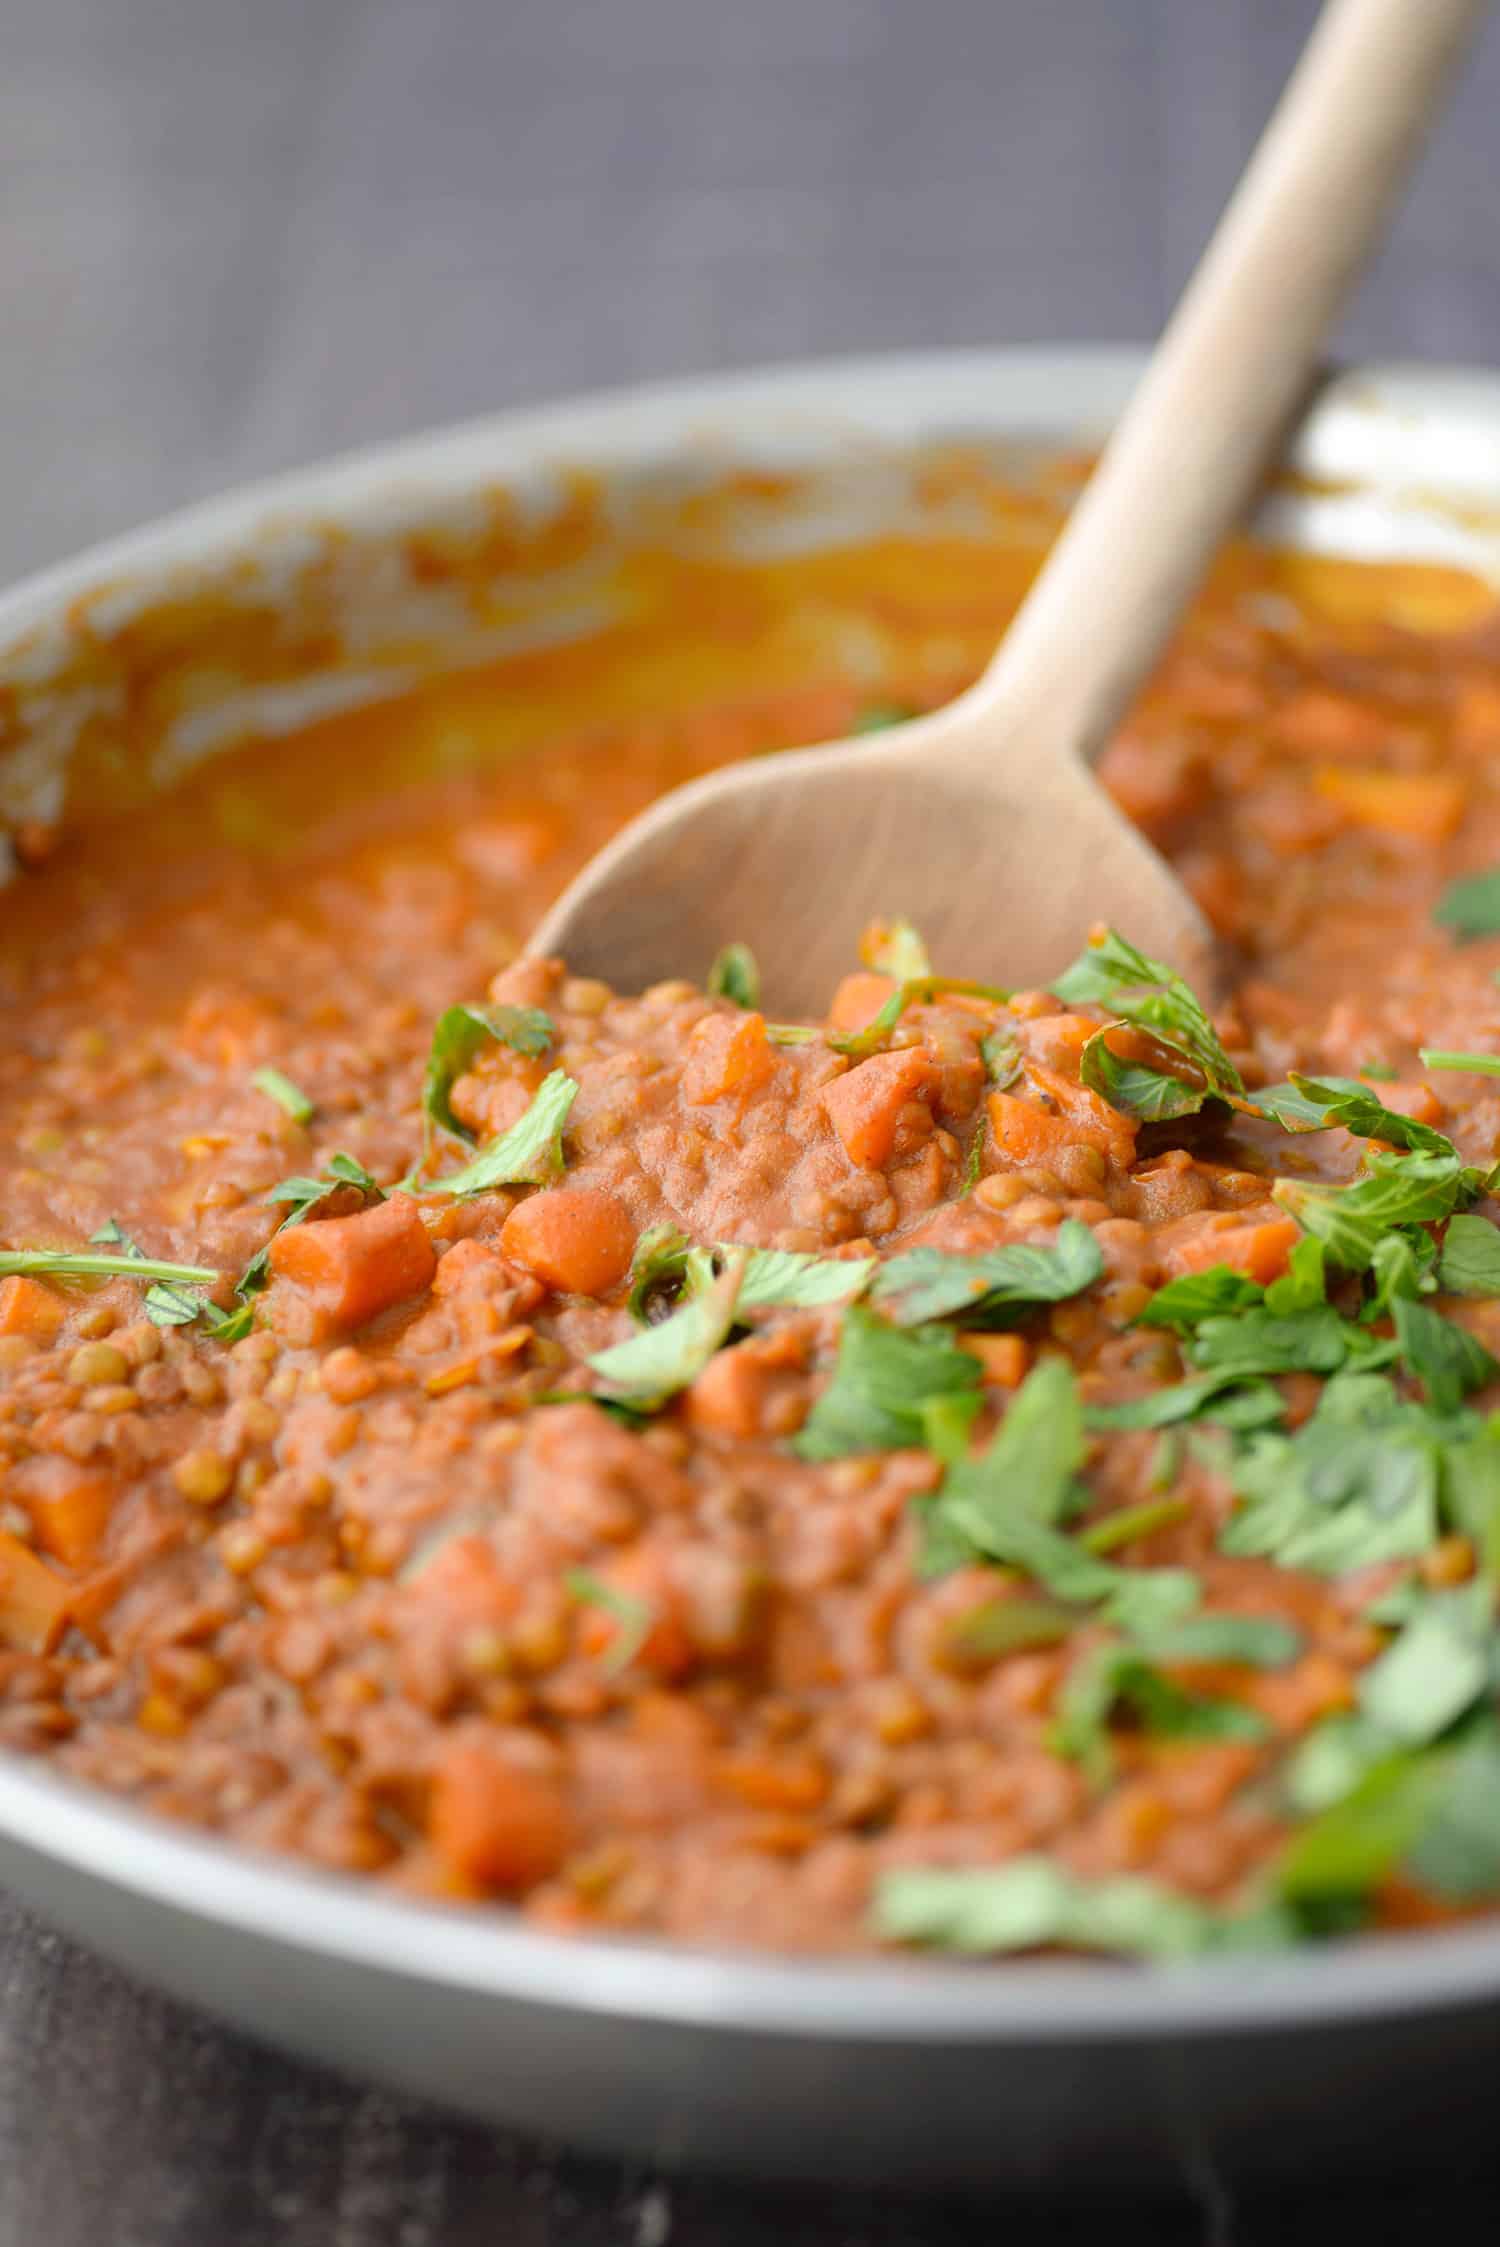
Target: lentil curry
x: 989, y: 1469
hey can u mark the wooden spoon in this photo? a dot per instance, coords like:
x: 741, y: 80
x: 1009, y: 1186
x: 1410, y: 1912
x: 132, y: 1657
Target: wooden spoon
x: 982, y: 823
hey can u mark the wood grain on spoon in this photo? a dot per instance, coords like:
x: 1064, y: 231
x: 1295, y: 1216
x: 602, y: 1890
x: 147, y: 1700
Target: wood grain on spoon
x: 983, y: 823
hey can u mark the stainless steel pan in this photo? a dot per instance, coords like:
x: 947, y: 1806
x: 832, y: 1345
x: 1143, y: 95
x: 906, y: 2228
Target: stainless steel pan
x: 1080, y: 2076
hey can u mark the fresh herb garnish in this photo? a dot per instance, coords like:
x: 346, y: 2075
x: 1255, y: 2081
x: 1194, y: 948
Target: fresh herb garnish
x: 1154, y: 998
x: 1359, y: 1482
x: 792, y: 1279
x: 1469, y: 1263
x: 1000, y: 1051
x: 735, y: 976
x: 1030, y: 1903
x: 56, y: 1263
x: 457, y: 1036
x: 290, y: 1098
x: 1120, y: 1680
x: 1470, y: 907
x: 529, y: 1154
x: 1396, y: 1190
x: 657, y: 1271
x: 1444, y: 1357
x: 1184, y: 1303
x: 1477, y: 1064
x: 875, y: 1036
x: 302, y: 1197
x: 633, y: 1615
x: 883, y: 1378
x: 994, y: 1289
x: 1320, y: 1103
x: 648, y: 1367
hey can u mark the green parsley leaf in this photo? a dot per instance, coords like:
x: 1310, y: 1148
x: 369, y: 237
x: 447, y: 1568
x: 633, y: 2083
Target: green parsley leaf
x: 1457, y: 1851
x: 1127, y: 1523
x: 1030, y: 1465
x: 1470, y: 1260
x: 735, y: 976
x: 1223, y: 1398
x: 657, y: 1271
x: 1119, y: 1680
x: 55, y: 1263
x: 994, y: 1289
x: 647, y: 1368
x: 1002, y: 1626
x: 1476, y: 1064
x: 1136, y: 1089
x: 530, y: 1153
x: 1257, y: 1342
x: 1437, y: 1668
x: 1319, y: 1103
x: 287, y: 1096
x: 1443, y: 1356
x: 1395, y: 1190
x: 303, y: 1196
x: 792, y: 1279
x: 1357, y: 1483
x: 1184, y: 1303
x: 1154, y: 998
x: 1357, y: 1843
x: 1470, y: 907
x: 635, y: 1617
x: 457, y: 1036
x: 1031, y: 1903
x: 882, y: 1379
x: 1000, y: 1051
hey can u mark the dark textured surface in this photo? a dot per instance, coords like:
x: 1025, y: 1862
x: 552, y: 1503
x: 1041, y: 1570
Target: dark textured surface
x: 237, y: 234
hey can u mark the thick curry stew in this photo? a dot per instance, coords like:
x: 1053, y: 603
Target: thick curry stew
x: 988, y: 1470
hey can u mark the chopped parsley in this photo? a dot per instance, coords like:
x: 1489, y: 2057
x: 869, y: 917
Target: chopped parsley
x: 458, y: 1035
x: 1469, y: 1263
x: 529, y: 1154
x: 1151, y: 997
x: 1470, y: 907
x: 634, y: 1617
x: 1031, y: 1903
x: 884, y: 1379
x: 651, y: 1365
x: 1319, y: 1103
x: 289, y: 1097
x: 735, y: 976
x: 994, y: 1289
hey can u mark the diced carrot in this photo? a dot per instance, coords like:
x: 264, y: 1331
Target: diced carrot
x: 1003, y: 1356
x: 1260, y: 1251
x: 858, y: 999
x: 1424, y: 806
x: 1026, y: 1134
x: 730, y: 1053
x: 465, y: 1584
x: 864, y: 1107
x: 34, y: 1600
x: 1316, y: 723
x: 1296, y: 1697
x: 492, y: 1823
x: 790, y: 1779
x: 1055, y: 1041
x: 644, y: 1580
x: 1476, y: 718
x: 30, y: 1307
x: 1089, y: 1117
x: 574, y: 1238
x: 1411, y: 1098
x: 466, y: 1262
x: 731, y: 1394
x: 349, y: 1269
x: 69, y: 1504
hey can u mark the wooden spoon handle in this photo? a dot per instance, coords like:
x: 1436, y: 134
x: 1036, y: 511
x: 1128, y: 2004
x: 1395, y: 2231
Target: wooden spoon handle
x: 1231, y: 370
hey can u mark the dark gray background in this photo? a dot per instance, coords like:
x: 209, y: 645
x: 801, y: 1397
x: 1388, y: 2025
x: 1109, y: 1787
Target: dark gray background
x: 238, y: 234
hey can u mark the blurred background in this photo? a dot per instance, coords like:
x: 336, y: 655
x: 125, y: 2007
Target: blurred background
x: 238, y: 234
